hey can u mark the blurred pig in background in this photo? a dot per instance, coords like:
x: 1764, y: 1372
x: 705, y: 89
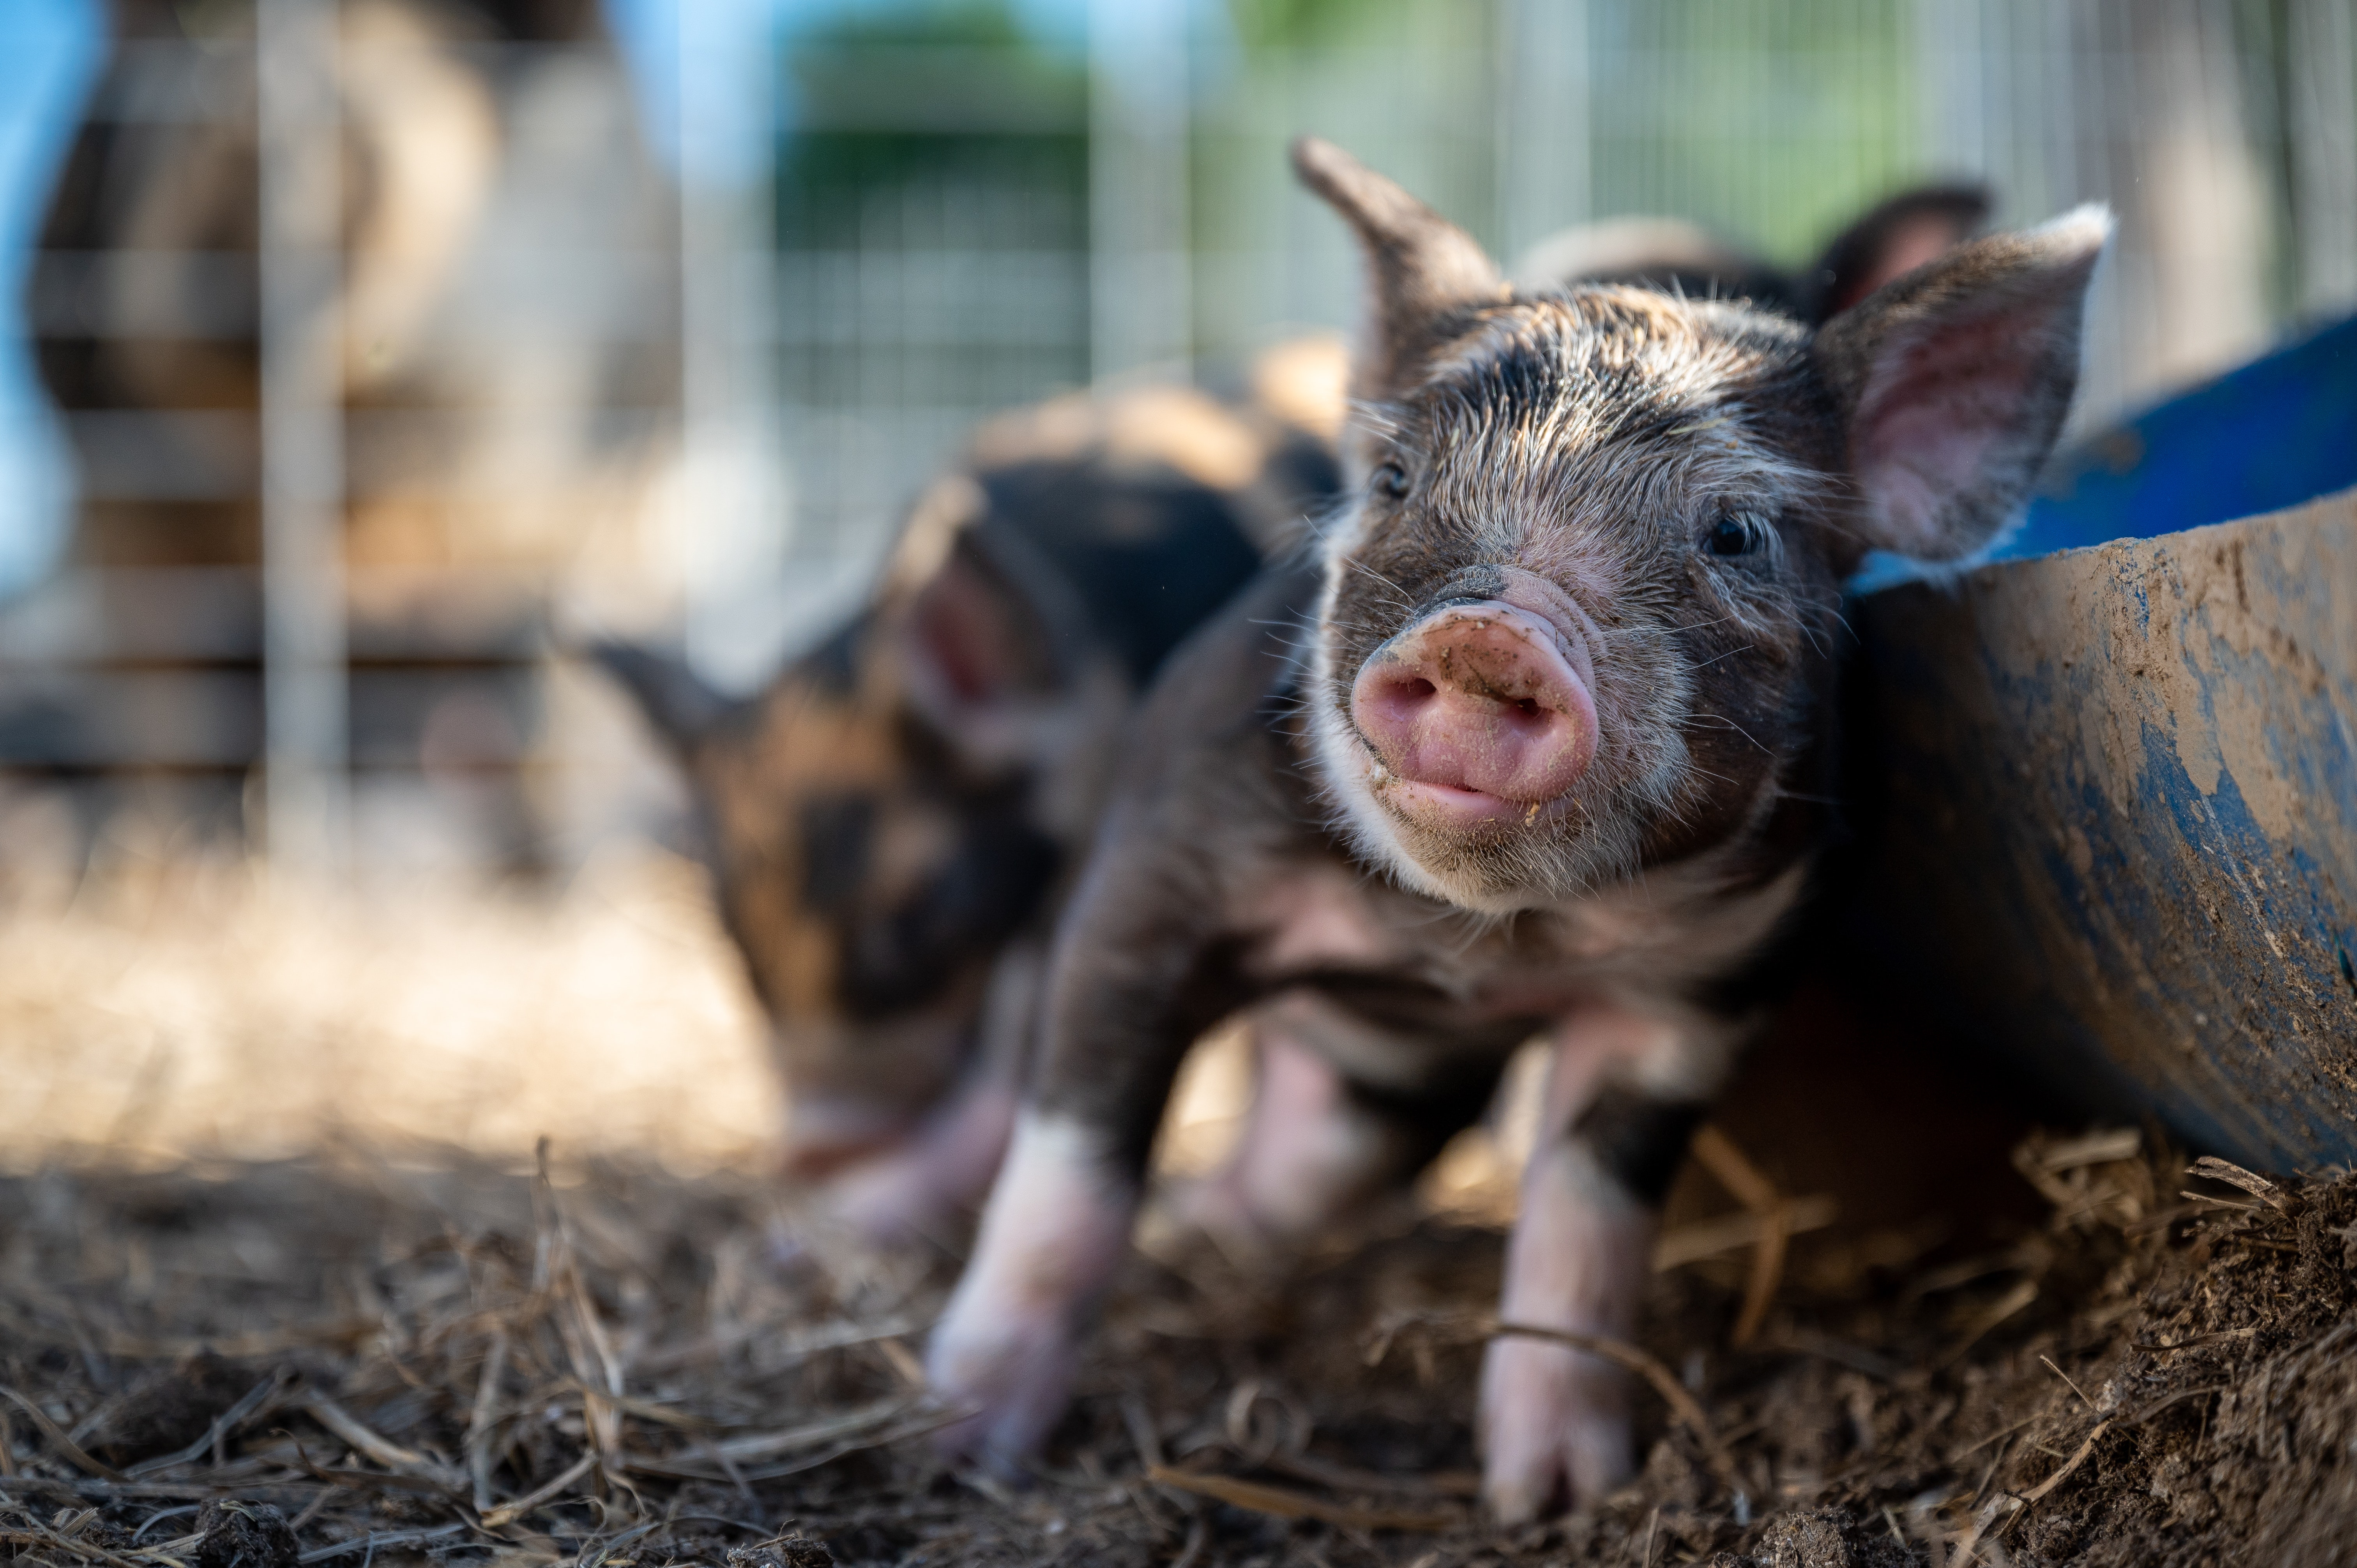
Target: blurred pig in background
x: 497, y: 394
x: 892, y: 819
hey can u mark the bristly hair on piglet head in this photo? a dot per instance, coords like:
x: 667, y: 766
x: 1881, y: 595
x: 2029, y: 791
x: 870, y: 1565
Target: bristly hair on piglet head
x: 1576, y: 618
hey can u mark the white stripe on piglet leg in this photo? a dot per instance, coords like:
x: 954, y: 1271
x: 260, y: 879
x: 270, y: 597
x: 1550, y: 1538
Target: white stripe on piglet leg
x: 1055, y: 1229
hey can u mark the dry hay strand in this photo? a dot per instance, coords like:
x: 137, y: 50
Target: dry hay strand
x: 352, y: 1360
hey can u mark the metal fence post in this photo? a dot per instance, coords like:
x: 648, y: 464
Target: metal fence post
x: 734, y: 529
x: 1542, y: 121
x: 304, y: 696
x: 1140, y: 281
x: 2322, y: 127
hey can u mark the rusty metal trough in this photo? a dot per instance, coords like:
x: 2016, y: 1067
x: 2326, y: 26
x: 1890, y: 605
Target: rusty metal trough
x: 2117, y: 833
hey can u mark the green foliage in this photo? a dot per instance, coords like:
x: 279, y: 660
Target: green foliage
x: 971, y: 23
x: 932, y: 212
x: 939, y: 124
x: 1294, y: 24
x: 1771, y: 124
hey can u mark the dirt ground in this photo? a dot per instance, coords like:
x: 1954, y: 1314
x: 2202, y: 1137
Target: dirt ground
x: 620, y: 1367
x: 251, y: 1316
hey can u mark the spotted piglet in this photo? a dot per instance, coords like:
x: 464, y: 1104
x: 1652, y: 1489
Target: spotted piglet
x: 1542, y: 741
x: 892, y: 821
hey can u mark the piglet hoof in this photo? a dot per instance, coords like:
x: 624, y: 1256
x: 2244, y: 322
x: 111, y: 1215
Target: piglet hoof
x: 1554, y: 1430
x: 1013, y: 1375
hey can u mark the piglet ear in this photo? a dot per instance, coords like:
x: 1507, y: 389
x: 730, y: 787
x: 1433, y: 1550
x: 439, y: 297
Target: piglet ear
x: 1911, y: 229
x: 1422, y: 268
x: 677, y: 704
x: 974, y: 639
x: 1953, y: 381
x: 986, y: 649
x: 974, y: 614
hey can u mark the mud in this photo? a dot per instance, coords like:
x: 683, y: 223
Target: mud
x: 619, y: 1368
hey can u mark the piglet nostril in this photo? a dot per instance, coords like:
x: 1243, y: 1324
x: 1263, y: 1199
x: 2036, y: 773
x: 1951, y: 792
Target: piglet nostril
x: 1390, y: 696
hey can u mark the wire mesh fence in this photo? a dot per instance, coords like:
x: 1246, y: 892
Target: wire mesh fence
x: 389, y: 357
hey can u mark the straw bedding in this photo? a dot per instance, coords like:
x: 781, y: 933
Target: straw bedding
x: 382, y: 1350
x: 617, y: 1367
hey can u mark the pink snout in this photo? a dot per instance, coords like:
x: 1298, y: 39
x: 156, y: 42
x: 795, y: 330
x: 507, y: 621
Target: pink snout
x: 1477, y: 714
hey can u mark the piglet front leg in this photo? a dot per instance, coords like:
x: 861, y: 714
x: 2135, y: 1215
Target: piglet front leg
x: 1555, y: 1421
x: 1056, y: 1228
x: 1130, y: 987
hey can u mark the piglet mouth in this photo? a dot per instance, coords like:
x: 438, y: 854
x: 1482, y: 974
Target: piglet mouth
x: 1477, y: 716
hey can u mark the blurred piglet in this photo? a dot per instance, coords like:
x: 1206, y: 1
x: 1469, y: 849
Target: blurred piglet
x: 1889, y: 239
x: 890, y: 819
x: 1543, y: 743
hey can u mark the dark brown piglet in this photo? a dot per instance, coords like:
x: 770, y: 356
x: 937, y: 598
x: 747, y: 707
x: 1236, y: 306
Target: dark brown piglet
x: 891, y: 820
x: 1892, y: 238
x: 1540, y: 742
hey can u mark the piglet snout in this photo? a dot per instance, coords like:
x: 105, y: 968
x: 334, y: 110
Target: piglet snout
x: 1477, y: 710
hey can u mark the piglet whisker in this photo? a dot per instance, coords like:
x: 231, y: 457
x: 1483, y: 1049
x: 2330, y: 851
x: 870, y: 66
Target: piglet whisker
x: 1726, y: 722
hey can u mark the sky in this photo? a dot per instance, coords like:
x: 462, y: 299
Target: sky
x: 49, y: 53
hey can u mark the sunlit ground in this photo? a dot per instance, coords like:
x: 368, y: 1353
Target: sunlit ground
x: 159, y: 1011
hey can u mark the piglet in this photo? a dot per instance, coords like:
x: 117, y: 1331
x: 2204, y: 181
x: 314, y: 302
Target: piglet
x: 892, y: 819
x: 1540, y: 741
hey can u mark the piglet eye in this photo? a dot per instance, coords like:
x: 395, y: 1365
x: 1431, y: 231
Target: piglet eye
x: 1389, y: 480
x: 1735, y: 534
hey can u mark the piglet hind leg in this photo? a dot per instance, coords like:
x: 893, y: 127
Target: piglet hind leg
x: 1315, y: 1146
x: 1555, y: 1421
x: 928, y: 1186
x: 1056, y: 1228
x: 931, y: 1186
